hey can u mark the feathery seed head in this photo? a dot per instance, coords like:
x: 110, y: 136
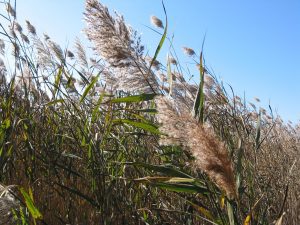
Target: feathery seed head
x: 252, y: 105
x: 172, y: 60
x: 209, y: 81
x: 16, y: 50
x: 56, y: 49
x: 30, y: 28
x: 81, y: 54
x: 119, y: 45
x: 2, y: 72
x: 46, y: 37
x: 25, y: 38
x: 210, y: 154
x: 2, y: 47
x: 256, y: 99
x: 156, y: 22
x: 17, y: 26
x: 163, y: 78
x: 12, y: 32
x: 155, y: 64
x: 11, y: 11
x: 188, y: 51
x: 70, y: 54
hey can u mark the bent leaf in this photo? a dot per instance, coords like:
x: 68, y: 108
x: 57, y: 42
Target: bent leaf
x: 35, y: 213
x: 134, y: 98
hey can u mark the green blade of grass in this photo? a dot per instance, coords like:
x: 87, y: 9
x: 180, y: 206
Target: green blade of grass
x: 162, y: 40
x: 89, y: 87
x: 96, y: 110
x: 57, y: 81
x: 134, y: 98
x: 145, y: 126
x: 199, y: 101
x: 184, y: 188
x: 163, y: 169
x: 34, y: 212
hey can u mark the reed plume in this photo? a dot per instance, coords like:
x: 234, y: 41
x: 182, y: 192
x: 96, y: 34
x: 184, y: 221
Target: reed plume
x: 119, y: 45
x: 156, y: 22
x: 210, y: 154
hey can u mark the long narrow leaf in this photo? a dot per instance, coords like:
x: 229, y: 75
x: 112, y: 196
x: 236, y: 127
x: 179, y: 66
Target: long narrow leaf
x: 134, y: 98
x: 162, y: 40
x: 145, y: 126
x: 89, y: 87
x: 35, y: 213
x: 169, y: 171
x: 57, y: 81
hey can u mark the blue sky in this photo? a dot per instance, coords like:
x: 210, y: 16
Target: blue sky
x: 251, y: 45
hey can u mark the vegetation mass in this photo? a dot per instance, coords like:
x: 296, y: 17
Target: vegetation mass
x: 121, y: 138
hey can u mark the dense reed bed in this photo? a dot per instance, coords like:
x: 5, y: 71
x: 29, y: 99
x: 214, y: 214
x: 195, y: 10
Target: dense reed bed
x: 120, y: 138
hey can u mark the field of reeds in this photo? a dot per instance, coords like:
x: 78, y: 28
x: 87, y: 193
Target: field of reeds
x: 116, y: 137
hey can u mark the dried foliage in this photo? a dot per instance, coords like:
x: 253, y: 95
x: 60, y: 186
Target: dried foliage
x: 126, y: 142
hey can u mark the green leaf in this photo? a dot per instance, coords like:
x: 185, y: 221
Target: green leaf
x: 134, y: 98
x: 96, y: 109
x: 57, y: 80
x: 89, y: 87
x: 186, y: 188
x: 169, y: 171
x: 80, y: 194
x: 54, y: 102
x: 162, y: 40
x: 200, y: 98
x: 35, y: 213
x: 145, y: 126
x: 6, y: 123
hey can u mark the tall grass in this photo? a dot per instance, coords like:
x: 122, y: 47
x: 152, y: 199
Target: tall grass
x: 121, y: 138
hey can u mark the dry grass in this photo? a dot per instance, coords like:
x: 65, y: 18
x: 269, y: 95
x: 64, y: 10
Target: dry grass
x: 124, y: 139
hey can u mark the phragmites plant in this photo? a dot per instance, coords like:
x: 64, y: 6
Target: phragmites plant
x: 210, y: 154
x: 132, y: 139
x: 120, y: 46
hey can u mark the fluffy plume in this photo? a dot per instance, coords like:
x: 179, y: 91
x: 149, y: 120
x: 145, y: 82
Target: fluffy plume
x: 56, y: 49
x: 256, y: 99
x: 119, y: 46
x: 25, y: 38
x: 30, y: 28
x: 2, y: 72
x: 17, y: 27
x: 172, y: 60
x: 80, y: 53
x: 188, y: 51
x: 11, y: 11
x: 156, y: 22
x: 70, y: 54
x: 210, y: 154
x: 2, y: 47
x: 44, y: 55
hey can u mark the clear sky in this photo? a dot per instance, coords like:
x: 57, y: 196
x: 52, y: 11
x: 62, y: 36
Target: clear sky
x: 252, y: 45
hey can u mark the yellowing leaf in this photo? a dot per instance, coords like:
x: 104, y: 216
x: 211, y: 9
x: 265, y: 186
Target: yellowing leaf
x: 35, y: 213
x: 222, y: 202
x: 247, y: 220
